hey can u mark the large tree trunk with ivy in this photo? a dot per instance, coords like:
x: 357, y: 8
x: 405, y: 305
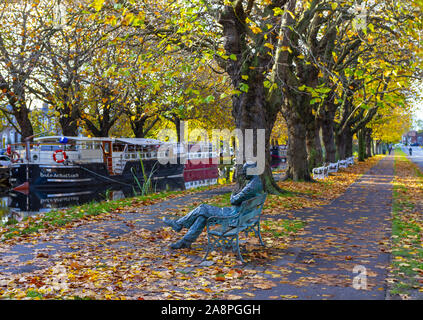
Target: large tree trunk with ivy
x: 251, y: 113
x: 252, y: 107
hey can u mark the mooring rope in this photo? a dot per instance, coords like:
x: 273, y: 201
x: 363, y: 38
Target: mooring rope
x: 105, y: 177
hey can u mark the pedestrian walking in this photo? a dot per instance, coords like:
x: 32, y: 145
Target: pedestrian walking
x: 410, y: 151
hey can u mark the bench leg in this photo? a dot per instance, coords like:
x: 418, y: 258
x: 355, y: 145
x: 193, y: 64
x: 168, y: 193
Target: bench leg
x: 208, y: 248
x: 259, y: 234
x: 238, y: 250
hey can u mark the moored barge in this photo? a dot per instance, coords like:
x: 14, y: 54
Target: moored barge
x: 74, y: 162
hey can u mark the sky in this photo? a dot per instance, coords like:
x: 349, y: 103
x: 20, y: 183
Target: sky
x: 419, y: 112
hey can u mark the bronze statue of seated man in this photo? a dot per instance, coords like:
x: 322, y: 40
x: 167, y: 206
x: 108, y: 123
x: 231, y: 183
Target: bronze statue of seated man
x: 196, y: 220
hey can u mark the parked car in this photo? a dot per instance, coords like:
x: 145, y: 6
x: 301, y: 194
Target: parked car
x: 415, y: 144
x: 4, y: 161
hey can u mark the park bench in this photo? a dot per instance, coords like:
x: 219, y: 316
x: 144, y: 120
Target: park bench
x: 320, y: 172
x: 350, y: 161
x: 333, y: 167
x: 223, y: 232
x: 342, y: 164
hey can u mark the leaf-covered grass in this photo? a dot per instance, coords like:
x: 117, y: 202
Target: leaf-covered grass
x: 407, y: 228
x: 282, y: 227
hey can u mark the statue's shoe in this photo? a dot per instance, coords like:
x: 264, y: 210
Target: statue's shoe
x: 181, y: 244
x: 175, y: 226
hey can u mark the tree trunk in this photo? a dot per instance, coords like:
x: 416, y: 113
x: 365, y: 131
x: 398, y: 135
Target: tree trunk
x: 69, y: 110
x: 344, y: 143
x: 22, y: 118
x: 269, y: 183
x: 313, y: 145
x: 177, y: 122
x: 138, y: 128
x: 141, y: 127
x: 348, y: 143
x: 373, y: 147
x: 341, y: 145
x: 361, y: 145
x: 297, y: 168
x: 328, y: 140
x: 251, y: 112
x: 69, y: 126
x: 368, y: 139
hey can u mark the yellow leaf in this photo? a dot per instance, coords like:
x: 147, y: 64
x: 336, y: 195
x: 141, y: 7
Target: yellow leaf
x: 97, y: 4
x: 255, y: 29
x: 269, y: 45
x: 286, y: 48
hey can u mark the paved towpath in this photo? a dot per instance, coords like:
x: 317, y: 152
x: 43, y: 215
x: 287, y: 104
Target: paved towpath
x: 350, y: 234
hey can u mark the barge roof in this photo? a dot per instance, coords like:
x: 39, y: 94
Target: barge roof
x: 135, y: 141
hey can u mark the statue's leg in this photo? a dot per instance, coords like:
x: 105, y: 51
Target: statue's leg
x: 195, y: 229
x: 192, y: 234
x: 187, y: 220
x: 190, y: 218
x: 196, y: 221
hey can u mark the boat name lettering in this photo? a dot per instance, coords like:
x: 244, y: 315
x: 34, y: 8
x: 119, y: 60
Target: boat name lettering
x: 58, y: 175
x: 58, y: 200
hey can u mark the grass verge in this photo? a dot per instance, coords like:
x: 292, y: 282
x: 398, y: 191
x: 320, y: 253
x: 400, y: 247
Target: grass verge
x: 406, y: 277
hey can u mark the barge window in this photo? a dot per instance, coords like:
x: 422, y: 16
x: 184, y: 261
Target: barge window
x: 89, y: 146
x: 50, y: 148
x: 118, y: 147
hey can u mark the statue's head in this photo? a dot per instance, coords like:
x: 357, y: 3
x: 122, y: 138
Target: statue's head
x: 247, y: 166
